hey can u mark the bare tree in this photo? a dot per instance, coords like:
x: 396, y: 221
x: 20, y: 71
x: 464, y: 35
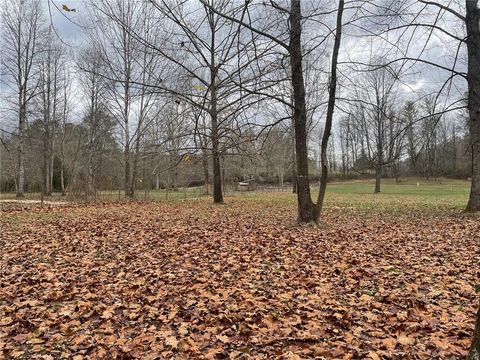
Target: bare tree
x: 94, y: 86
x: 48, y: 103
x: 291, y: 42
x: 129, y: 67
x: 459, y: 23
x: 374, y: 112
x: 22, y: 23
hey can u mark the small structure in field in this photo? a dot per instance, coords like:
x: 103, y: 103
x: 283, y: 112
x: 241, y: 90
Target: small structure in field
x: 246, y: 185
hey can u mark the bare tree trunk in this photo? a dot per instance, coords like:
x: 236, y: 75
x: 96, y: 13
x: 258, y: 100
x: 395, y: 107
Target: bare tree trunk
x: 173, y: 171
x: 378, y: 178
x: 330, y: 109
x: 126, y: 150
x: 46, y: 165
x: 294, y: 163
x: 133, y: 181
x: 21, y: 150
x: 475, y: 349
x: 379, y: 165
x: 127, y: 170
x: 62, y: 179
x: 62, y: 161
x: 44, y: 171
x: 217, y: 173
x: 91, y: 174
x: 473, y: 77
x: 51, y: 160
x: 206, y: 173
x: 306, y: 207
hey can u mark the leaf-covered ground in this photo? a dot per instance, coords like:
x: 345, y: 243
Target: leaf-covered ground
x: 197, y: 281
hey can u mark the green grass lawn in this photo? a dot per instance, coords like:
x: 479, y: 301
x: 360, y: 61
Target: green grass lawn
x: 411, y: 186
x: 410, y: 194
x: 407, y: 195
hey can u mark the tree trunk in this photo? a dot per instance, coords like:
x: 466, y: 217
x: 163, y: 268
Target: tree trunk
x: 62, y: 180
x: 306, y: 207
x: 173, y: 171
x: 294, y: 161
x: 378, y: 178
x: 473, y: 77
x: 379, y: 165
x: 21, y: 150
x: 294, y: 175
x: 62, y: 162
x: 330, y: 109
x: 91, y: 174
x: 206, y: 174
x: 217, y: 172
x: 127, y: 169
x: 46, y: 166
x: 475, y: 349
x: 133, y: 180
x: 51, y: 165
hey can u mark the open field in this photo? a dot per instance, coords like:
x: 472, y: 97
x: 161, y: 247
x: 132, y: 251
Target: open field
x: 442, y: 193
x: 190, y: 280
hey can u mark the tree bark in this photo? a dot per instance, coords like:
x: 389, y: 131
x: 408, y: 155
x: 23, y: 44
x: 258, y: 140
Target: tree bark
x: 206, y: 174
x: 21, y: 150
x: 62, y: 158
x: 379, y: 165
x: 91, y: 174
x: 127, y: 170
x: 475, y: 348
x: 330, y: 109
x: 217, y: 172
x: 378, y: 178
x: 51, y: 165
x: 306, y: 207
x: 473, y: 78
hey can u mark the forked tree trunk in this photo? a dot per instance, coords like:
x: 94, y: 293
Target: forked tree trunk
x: 308, y: 211
x: 473, y: 76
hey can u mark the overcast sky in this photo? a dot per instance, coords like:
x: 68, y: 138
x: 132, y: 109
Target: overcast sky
x: 64, y: 22
x: 420, y: 80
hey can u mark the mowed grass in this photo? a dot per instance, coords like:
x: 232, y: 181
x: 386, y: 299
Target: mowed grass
x: 409, y: 194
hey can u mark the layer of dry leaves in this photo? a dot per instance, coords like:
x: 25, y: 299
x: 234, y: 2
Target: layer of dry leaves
x: 197, y: 281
